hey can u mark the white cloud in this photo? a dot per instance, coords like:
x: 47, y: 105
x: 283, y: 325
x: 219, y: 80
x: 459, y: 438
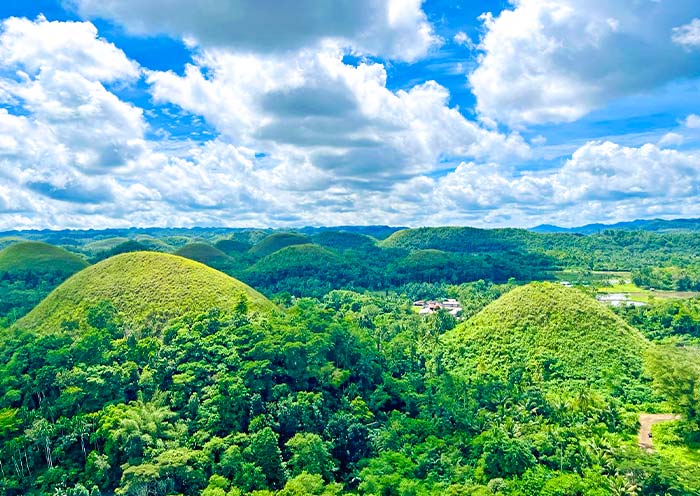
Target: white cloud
x: 391, y: 28
x: 556, y: 60
x: 692, y: 121
x: 687, y: 35
x: 340, y: 147
x: 463, y: 39
x: 338, y: 121
x: 601, y: 181
x: 671, y: 139
x: 68, y: 46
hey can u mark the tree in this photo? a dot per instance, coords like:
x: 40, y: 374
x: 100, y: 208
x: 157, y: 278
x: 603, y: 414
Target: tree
x: 309, y: 453
x: 264, y: 451
x: 676, y: 375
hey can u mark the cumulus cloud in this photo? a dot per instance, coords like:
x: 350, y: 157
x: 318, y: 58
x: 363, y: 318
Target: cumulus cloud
x: 597, y: 176
x: 556, y: 60
x: 339, y: 146
x: 692, y: 121
x: 68, y: 46
x: 337, y: 121
x: 63, y: 131
x: 671, y: 139
x: 391, y: 28
x: 687, y: 35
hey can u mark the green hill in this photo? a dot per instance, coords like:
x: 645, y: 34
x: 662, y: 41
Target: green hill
x: 208, y: 255
x: 128, y: 246
x: 39, y: 258
x: 103, y: 245
x: 143, y: 286
x: 231, y: 246
x: 458, y: 239
x: 300, y: 270
x: 341, y: 240
x: 552, y: 333
x: 277, y: 241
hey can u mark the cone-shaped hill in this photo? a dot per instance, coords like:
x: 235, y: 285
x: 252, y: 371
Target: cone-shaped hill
x: 300, y: 262
x: 141, y: 285
x: 231, y: 246
x: 209, y: 255
x: 33, y: 256
x: 552, y: 332
x: 277, y: 241
x: 341, y: 240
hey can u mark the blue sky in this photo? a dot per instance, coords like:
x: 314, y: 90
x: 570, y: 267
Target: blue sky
x: 280, y: 113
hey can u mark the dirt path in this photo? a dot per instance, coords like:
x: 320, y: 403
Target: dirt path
x: 646, y: 420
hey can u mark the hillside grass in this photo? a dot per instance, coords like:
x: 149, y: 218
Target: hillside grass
x: 143, y: 286
x: 552, y: 333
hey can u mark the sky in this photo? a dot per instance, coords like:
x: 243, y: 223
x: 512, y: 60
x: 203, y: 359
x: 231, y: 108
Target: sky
x: 289, y: 113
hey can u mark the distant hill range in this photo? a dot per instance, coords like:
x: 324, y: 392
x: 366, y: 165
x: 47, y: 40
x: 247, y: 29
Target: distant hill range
x: 635, y: 225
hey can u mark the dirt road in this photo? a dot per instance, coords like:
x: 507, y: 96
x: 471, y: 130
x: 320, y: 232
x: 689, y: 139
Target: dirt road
x: 646, y: 420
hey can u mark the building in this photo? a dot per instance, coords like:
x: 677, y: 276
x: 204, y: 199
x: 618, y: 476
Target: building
x: 450, y: 305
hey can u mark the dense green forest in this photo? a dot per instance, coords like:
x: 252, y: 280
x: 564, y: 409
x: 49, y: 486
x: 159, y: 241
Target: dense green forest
x: 144, y: 363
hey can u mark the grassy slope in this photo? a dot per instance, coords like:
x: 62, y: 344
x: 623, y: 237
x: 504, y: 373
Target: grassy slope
x: 141, y: 284
x: 277, y: 241
x: 39, y: 257
x: 544, y: 323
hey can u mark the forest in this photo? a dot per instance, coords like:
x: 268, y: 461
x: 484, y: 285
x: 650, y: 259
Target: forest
x: 258, y: 362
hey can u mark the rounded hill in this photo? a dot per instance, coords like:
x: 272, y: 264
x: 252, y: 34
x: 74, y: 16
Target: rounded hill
x: 277, y: 241
x: 457, y: 239
x: 209, y: 255
x: 202, y: 252
x: 551, y: 333
x: 143, y: 286
x: 342, y: 240
x: 231, y: 246
x: 33, y: 256
x: 299, y: 263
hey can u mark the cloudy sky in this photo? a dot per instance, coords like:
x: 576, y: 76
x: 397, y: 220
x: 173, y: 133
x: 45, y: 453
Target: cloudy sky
x: 316, y: 112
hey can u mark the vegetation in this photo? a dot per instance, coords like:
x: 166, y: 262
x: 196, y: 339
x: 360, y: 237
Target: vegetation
x: 154, y: 374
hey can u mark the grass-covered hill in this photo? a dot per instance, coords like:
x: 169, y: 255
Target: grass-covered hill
x: 458, y: 239
x: 103, y: 245
x: 209, y: 255
x: 341, y: 240
x: 298, y: 264
x: 31, y: 256
x: 28, y: 272
x: 277, y: 241
x: 128, y: 246
x: 231, y: 246
x: 145, y: 287
x: 550, y: 333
